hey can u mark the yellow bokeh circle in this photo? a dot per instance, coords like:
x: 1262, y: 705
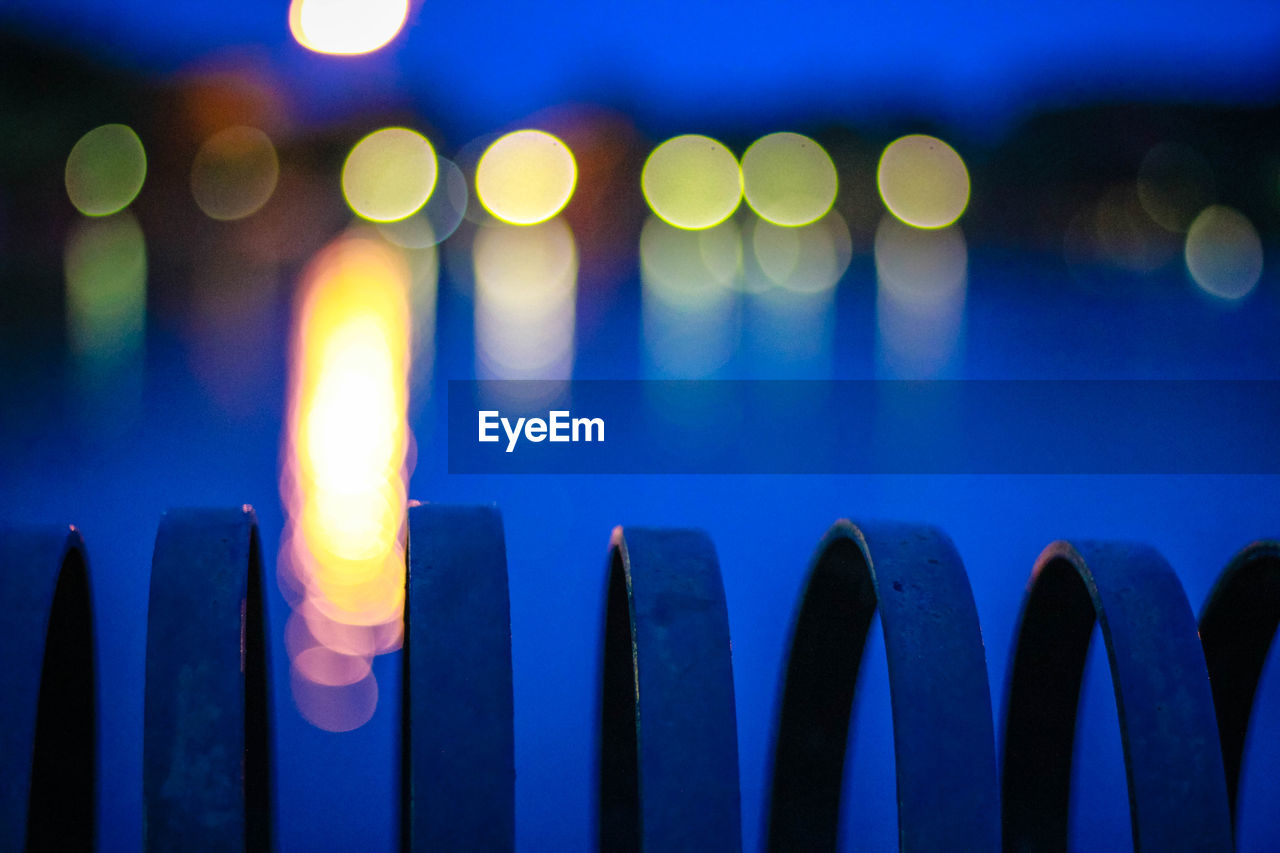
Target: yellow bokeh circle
x: 692, y: 182
x: 389, y: 174
x: 526, y: 177
x: 923, y: 181
x: 105, y: 170
x: 788, y: 179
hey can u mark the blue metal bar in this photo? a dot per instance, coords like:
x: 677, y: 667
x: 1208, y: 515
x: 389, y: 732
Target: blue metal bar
x: 668, y: 731
x: 206, y: 779
x: 1237, y: 627
x: 942, y: 725
x: 1177, y: 795
x: 47, y: 718
x: 458, y: 742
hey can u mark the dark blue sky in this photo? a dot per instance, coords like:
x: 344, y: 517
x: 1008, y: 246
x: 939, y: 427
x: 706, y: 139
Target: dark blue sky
x: 675, y: 64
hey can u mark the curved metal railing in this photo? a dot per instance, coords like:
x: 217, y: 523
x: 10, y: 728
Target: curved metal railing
x: 668, y: 752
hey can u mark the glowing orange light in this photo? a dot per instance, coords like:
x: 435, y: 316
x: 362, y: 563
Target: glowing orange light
x: 342, y: 556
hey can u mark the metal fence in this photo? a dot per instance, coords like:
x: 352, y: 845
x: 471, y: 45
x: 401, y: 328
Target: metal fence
x: 668, y: 753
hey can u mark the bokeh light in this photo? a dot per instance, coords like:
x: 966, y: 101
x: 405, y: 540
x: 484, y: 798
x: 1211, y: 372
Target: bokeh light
x: 341, y: 708
x: 920, y: 265
x: 688, y: 294
x: 526, y: 177
x: 789, y: 275
x: 105, y: 264
x: 346, y: 467
x: 1125, y: 235
x: 346, y: 26
x: 438, y: 218
x: 525, y: 300
x: 389, y: 174
x: 788, y: 179
x: 234, y: 173
x: 692, y: 182
x: 923, y: 181
x: 920, y: 296
x: 685, y: 265
x: 334, y: 669
x: 1223, y: 252
x: 105, y: 170
x: 1174, y: 184
x: 805, y: 259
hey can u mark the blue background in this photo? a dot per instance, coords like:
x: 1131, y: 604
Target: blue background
x: 677, y: 66
x: 337, y: 792
x: 472, y: 68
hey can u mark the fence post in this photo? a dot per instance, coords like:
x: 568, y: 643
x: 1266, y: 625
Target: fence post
x: 206, y: 744
x: 48, y: 739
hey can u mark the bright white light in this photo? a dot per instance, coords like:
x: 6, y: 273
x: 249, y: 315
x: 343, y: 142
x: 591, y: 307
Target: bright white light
x: 346, y: 26
x: 347, y: 463
x: 526, y: 177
